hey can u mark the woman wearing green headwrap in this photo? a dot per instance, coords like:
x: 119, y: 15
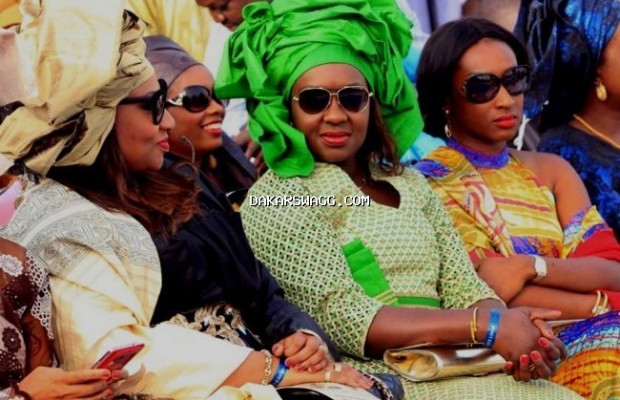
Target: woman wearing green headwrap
x: 330, y: 105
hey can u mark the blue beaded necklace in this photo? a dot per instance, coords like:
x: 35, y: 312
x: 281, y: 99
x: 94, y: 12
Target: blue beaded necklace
x: 480, y: 160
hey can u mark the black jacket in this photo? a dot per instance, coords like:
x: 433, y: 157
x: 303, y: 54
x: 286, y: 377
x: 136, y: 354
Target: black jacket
x: 209, y: 260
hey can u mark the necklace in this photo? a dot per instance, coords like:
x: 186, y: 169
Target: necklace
x: 596, y: 133
x: 481, y: 160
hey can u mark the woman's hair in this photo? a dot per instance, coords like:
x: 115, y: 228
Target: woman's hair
x: 440, y: 58
x: 379, y: 145
x: 160, y: 201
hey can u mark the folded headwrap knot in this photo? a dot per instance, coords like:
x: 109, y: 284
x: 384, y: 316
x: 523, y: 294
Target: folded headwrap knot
x: 566, y: 39
x: 83, y: 69
x: 279, y: 41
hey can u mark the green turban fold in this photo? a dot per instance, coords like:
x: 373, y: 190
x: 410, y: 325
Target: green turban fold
x: 279, y: 41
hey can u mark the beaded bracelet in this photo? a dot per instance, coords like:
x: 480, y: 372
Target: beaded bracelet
x: 278, y: 377
x: 268, y: 361
x: 491, y: 335
x: 473, y: 326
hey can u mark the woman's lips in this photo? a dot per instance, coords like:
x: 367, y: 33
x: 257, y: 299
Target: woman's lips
x: 213, y: 128
x: 335, y: 139
x: 506, y: 122
x: 164, y: 145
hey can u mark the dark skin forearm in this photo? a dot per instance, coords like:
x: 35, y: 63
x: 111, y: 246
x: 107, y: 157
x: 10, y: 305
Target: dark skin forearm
x: 582, y: 274
x: 399, y: 326
x: 572, y: 305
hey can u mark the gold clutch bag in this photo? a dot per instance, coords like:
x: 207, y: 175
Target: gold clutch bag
x: 427, y: 362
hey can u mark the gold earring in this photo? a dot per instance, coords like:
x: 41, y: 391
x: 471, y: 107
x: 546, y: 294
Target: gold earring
x: 447, y: 129
x: 601, y: 90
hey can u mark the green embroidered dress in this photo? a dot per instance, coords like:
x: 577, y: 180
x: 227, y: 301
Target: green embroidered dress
x: 405, y: 256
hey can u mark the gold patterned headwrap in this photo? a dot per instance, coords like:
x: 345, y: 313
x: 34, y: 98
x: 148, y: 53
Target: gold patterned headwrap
x: 16, y: 77
x: 87, y: 56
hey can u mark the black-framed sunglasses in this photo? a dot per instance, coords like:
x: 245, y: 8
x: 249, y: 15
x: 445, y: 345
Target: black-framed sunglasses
x: 155, y: 103
x: 482, y: 88
x: 195, y: 99
x: 315, y: 100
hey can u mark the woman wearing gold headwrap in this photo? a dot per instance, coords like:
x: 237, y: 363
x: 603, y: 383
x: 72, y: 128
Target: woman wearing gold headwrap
x: 26, y: 351
x: 99, y: 130
x: 331, y: 107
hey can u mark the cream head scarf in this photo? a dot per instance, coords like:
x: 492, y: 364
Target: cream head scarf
x: 16, y: 77
x: 5, y: 164
x: 87, y: 56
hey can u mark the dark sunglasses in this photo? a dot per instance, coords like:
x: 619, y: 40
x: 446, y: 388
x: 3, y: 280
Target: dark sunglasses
x: 482, y: 88
x: 155, y: 103
x: 316, y: 100
x: 195, y: 99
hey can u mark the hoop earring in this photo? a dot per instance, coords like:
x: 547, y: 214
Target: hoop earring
x: 601, y: 90
x: 447, y: 129
x: 191, y: 146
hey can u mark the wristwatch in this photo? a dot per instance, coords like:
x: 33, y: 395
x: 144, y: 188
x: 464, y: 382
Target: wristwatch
x: 540, y: 266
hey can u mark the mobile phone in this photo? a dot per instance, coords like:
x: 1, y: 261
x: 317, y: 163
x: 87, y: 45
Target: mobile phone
x: 117, y: 358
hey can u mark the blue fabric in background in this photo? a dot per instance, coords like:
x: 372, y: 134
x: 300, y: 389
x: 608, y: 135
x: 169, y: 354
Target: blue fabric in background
x: 425, y: 143
x: 596, y: 162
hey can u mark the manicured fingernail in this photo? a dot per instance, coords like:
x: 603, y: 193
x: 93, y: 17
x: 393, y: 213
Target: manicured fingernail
x: 289, y: 363
x: 544, y: 343
x: 535, y: 355
x: 525, y: 361
x: 509, y: 365
x: 108, y: 394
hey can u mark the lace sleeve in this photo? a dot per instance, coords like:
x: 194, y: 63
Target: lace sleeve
x: 41, y: 309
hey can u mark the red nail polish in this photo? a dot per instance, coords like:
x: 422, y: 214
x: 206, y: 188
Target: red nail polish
x: 525, y: 361
x: 544, y: 343
x: 535, y: 356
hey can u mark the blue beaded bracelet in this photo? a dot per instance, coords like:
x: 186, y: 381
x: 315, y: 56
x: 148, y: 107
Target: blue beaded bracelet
x: 489, y: 339
x: 279, y: 375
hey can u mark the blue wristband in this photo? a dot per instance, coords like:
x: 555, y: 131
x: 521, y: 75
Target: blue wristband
x: 279, y: 375
x: 489, y: 339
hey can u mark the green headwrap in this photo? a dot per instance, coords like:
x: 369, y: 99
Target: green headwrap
x: 279, y: 41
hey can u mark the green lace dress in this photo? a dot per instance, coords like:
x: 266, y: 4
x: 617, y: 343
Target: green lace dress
x: 419, y: 255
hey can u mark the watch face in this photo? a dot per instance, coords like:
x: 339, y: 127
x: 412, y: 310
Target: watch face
x: 540, y: 266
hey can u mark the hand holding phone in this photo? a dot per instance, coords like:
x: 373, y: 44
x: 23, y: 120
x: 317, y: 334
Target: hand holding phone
x: 117, y: 358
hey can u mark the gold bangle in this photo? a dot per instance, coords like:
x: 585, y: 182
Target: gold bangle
x: 473, y: 326
x: 605, y: 303
x: 267, y: 374
x: 602, y: 302
x: 596, y: 309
